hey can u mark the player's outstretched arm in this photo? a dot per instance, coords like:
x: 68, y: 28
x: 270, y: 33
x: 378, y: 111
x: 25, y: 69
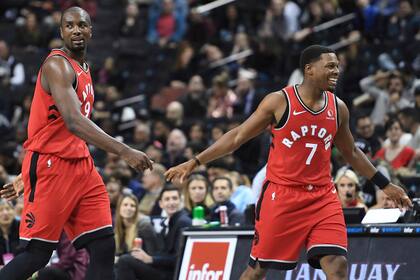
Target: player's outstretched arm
x: 57, y: 78
x: 358, y: 160
x: 233, y: 139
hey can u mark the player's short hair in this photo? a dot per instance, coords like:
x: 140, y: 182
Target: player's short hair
x: 168, y: 188
x: 312, y: 54
x: 75, y: 9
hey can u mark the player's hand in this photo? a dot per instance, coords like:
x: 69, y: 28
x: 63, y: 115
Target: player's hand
x: 180, y: 172
x: 136, y: 159
x: 398, y: 195
x: 12, y: 190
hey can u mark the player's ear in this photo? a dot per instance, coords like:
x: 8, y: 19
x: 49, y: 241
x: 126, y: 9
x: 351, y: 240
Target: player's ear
x: 309, y: 69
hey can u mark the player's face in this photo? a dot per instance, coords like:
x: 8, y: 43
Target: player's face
x: 326, y: 71
x: 197, y: 191
x: 76, y: 30
x: 170, y: 202
x: 128, y: 208
x: 221, y: 191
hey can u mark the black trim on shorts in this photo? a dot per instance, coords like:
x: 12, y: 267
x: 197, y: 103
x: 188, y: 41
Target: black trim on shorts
x: 258, y: 208
x: 273, y: 265
x: 316, y: 253
x: 32, y: 175
x: 81, y: 241
x: 43, y: 245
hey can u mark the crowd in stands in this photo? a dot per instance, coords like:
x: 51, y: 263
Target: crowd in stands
x: 170, y: 80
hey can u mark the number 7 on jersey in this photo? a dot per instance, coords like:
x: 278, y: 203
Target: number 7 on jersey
x: 312, y: 153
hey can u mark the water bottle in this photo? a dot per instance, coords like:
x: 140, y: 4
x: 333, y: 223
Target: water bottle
x: 198, y: 216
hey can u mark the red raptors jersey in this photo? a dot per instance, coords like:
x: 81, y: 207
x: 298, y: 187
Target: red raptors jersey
x: 47, y: 132
x: 301, y: 149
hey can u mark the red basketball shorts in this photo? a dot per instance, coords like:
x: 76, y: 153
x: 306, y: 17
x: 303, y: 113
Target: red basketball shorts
x: 288, y: 218
x: 63, y: 194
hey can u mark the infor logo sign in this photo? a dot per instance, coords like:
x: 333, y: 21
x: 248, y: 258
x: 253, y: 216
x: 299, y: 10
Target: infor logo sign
x: 208, y: 258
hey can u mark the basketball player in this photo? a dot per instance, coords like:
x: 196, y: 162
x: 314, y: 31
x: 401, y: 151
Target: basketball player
x: 62, y: 188
x: 298, y: 205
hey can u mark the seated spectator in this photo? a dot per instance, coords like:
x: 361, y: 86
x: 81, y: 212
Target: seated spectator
x: 130, y: 224
x: 365, y: 129
x: 175, y: 147
x: 153, y: 182
x: 348, y: 189
x: 175, y: 114
x: 197, y: 133
x: 222, y: 189
x: 248, y: 97
x: 395, y: 154
x: 166, y: 25
x: 30, y: 34
x: 141, y: 136
x: 410, y: 120
x: 197, y: 193
x: 195, y: 101
x: 72, y: 264
x: 142, y: 265
x: 9, y: 229
x: 12, y: 72
x: 114, y: 190
x: 131, y: 25
x: 242, y: 194
x: 222, y: 98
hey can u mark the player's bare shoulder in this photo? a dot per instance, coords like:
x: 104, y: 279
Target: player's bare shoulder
x: 56, y: 69
x: 275, y: 103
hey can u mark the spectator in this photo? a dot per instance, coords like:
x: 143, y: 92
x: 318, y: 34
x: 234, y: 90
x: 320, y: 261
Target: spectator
x: 197, y: 133
x: 167, y: 25
x: 281, y: 20
x: 9, y: 229
x: 153, y: 183
x: 161, y: 130
x: 248, y: 97
x: 155, y: 152
x: 395, y: 154
x: 197, y: 193
x: 72, y: 264
x: 386, y: 101
x: 132, y: 25
x: 175, y: 114
x: 365, y: 129
x: 184, y: 66
x: 410, y: 120
x: 30, y: 35
x: 175, y: 147
x: 12, y: 72
x: 222, y: 98
x: 222, y: 189
x: 130, y: 224
x: 195, y: 101
x: 348, y: 189
x: 141, y: 265
x: 114, y: 189
x: 141, y: 136
x: 242, y: 194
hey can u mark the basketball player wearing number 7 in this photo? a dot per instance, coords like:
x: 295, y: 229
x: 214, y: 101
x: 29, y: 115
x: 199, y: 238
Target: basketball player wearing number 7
x: 298, y: 206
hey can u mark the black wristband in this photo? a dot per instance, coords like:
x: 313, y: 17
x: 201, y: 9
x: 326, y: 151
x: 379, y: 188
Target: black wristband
x: 197, y: 161
x: 380, y: 180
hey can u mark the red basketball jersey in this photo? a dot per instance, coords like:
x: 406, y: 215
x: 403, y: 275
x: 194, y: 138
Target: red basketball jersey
x: 301, y: 149
x: 47, y: 132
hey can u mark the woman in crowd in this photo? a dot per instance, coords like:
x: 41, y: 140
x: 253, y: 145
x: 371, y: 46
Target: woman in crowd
x: 130, y: 224
x: 9, y: 229
x: 396, y: 154
x: 347, y: 184
x: 196, y: 193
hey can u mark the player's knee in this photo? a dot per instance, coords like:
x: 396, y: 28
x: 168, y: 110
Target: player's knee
x: 335, y: 267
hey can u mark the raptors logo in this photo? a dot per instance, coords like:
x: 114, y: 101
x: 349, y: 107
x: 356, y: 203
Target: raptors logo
x: 256, y: 237
x: 30, y: 219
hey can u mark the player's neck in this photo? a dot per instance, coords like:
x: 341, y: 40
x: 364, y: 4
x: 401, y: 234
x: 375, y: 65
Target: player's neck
x: 78, y: 56
x: 310, y: 91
